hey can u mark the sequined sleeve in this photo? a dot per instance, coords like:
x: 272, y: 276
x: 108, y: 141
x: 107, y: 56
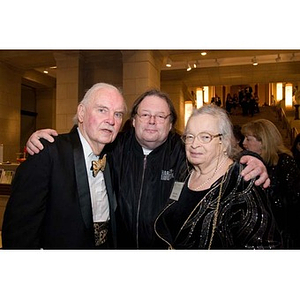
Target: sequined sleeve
x: 285, y: 180
x: 249, y: 222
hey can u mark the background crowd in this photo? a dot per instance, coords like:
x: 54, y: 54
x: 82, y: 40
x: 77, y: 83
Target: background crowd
x: 245, y: 99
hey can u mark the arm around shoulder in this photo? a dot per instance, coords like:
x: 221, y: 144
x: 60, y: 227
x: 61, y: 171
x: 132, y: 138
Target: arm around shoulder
x: 34, y: 145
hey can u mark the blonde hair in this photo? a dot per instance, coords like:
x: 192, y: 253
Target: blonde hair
x: 271, y: 139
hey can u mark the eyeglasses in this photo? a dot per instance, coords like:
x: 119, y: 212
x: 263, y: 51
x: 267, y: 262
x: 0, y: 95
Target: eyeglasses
x: 203, y: 137
x: 146, y: 117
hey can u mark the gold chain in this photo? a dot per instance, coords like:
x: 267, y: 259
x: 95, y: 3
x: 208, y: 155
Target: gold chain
x: 210, y: 178
x: 216, y: 213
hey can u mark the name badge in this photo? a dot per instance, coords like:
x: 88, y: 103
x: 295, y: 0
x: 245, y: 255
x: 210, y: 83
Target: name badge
x: 176, y: 191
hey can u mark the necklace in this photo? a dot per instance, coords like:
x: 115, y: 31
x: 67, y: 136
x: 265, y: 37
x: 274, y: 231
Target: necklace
x: 210, y: 178
x: 214, y: 225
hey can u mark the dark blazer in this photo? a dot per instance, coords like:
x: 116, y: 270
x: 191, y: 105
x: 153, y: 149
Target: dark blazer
x: 50, y: 204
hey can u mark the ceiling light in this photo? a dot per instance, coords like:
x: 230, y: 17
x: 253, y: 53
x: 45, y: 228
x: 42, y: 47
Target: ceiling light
x: 254, y: 61
x: 293, y: 57
x: 203, y: 53
x: 188, y: 68
x: 195, y: 65
x: 278, y: 59
x: 169, y: 63
x: 46, y: 71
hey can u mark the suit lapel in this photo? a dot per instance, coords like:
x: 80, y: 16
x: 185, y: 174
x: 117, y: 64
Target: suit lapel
x: 112, y: 201
x: 82, y: 180
x: 107, y: 178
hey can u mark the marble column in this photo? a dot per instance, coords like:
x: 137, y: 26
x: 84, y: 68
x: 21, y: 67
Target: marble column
x: 68, y: 88
x: 141, y: 71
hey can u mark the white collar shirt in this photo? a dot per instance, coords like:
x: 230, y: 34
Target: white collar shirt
x: 146, y: 151
x: 99, y: 198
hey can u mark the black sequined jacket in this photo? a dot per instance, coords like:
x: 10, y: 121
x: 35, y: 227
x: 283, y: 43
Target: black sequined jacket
x: 284, y: 194
x: 244, y: 219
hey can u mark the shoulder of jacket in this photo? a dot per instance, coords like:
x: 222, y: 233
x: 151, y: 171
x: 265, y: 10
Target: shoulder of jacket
x: 61, y: 138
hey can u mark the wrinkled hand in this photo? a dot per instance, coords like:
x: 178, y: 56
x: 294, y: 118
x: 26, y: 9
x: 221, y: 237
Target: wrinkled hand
x: 254, y: 168
x: 34, y: 145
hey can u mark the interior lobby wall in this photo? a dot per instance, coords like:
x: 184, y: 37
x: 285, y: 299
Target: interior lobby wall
x: 45, y: 106
x: 175, y: 90
x: 10, y: 105
x: 99, y: 70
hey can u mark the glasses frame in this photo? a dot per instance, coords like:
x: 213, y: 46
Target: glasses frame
x: 183, y: 138
x: 158, y: 118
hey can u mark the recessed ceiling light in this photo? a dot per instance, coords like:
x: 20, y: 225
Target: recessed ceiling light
x: 254, y: 61
x: 203, y: 53
x: 169, y: 63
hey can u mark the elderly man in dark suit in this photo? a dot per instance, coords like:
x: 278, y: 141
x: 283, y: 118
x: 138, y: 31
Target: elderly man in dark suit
x: 58, y: 201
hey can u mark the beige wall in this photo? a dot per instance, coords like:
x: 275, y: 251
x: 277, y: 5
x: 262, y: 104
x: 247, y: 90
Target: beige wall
x: 45, y: 106
x: 178, y: 93
x: 10, y: 105
x: 141, y: 72
x: 263, y: 91
x: 106, y: 68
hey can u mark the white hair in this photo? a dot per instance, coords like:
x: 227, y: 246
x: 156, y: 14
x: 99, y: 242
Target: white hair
x: 224, y: 125
x: 89, y: 95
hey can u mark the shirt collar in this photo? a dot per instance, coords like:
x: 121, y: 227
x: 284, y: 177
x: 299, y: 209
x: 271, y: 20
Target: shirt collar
x: 87, y: 150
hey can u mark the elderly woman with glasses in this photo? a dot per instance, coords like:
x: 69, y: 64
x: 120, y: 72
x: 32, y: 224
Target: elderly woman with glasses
x: 214, y: 208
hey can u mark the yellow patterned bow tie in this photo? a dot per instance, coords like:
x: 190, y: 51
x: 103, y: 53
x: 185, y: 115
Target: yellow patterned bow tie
x: 98, y: 165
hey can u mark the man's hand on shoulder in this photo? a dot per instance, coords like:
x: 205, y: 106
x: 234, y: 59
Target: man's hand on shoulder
x: 255, y: 167
x: 34, y: 145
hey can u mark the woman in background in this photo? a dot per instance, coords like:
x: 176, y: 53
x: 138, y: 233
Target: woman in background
x: 263, y: 137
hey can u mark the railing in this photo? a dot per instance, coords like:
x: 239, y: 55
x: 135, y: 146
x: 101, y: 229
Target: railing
x: 291, y: 132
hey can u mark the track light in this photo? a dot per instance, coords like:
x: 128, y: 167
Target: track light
x: 203, y: 53
x: 293, y: 57
x: 278, y: 59
x: 188, y: 68
x: 254, y: 61
x: 169, y: 63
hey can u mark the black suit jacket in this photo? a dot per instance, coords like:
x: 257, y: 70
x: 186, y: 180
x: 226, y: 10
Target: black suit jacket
x: 50, y: 204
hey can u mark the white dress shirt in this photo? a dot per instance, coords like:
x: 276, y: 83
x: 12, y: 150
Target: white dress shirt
x: 99, y: 198
x: 146, y: 151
